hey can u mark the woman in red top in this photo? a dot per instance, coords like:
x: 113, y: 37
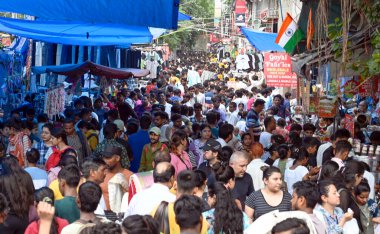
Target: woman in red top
x: 45, y: 194
x: 59, y: 140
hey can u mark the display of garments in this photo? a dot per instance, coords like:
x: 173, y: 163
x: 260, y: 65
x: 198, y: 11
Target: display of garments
x: 152, y: 67
x: 242, y: 62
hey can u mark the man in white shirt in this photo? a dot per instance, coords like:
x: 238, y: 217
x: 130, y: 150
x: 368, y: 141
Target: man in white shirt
x: 265, y: 137
x: 145, y: 201
x: 162, y: 101
x: 256, y: 166
x: 342, y: 150
x: 232, y: 115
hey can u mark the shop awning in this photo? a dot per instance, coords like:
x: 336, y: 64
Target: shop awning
x: 262, y: 41
x: 85, y: 34
x: 76, y: 70
x: 183, y: 17
x: 148, y: 13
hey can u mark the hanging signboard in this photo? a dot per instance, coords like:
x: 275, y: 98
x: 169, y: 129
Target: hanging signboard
x: 327, y: 107
x: 278, y: 70
x: 240, y: 10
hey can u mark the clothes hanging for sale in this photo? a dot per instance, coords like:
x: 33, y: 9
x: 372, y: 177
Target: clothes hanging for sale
x: 152, y: 67
x: 54, y: 101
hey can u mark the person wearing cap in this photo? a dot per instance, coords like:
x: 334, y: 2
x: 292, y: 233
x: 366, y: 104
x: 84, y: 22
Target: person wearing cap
x: 120, y: 137
x: 116, y: 181
x: 212, y: 150
x: 150, y: 149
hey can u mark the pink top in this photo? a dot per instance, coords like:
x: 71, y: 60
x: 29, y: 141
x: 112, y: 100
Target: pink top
x: 249, y: 103
x: 180, y: 164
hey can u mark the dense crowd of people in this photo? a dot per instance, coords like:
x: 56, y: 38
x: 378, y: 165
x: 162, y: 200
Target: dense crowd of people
x: 178, y: 158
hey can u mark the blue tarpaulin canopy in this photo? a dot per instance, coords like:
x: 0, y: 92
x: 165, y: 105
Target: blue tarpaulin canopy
x: 76, y: 70
x: 262, y: 41
x: 77, y: 33
x: 183, y: 17
x: 148, y: 13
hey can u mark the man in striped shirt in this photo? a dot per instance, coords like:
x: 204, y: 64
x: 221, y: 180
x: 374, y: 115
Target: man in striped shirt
x: 253, y: 119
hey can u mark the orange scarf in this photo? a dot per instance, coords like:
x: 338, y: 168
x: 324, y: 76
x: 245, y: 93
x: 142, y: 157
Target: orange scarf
x: 17, y: 147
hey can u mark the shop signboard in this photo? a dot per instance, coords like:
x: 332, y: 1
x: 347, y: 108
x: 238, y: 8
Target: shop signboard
x: 278, y: 70
x: 327, y: 107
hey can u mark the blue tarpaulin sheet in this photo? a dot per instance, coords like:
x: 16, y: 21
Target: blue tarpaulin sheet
x: 85, y: 34
x: 148, y: 13
x: 262, y: 41
x: 183, y: 17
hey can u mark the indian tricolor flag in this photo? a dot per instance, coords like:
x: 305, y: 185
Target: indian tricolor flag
x: 289, y: 34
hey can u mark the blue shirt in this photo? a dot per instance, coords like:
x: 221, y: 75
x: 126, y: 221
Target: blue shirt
x: 137, y: 142
x: 39, y: 176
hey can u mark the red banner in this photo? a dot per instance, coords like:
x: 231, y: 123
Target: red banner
x: 278, y: 70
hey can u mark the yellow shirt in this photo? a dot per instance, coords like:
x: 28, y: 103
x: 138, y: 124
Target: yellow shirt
x: 92, y: 138
x: 176, y: 79
x: 174, y: 227
x: 55, y: 187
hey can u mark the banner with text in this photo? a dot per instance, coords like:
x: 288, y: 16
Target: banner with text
x: 278, y: 70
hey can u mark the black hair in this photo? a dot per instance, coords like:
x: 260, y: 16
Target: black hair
x: 136, y: 224
x: 281, y: 122
x: 175, y: 117
x: 228, y: 217
x: 49, y: 126
x: 342, y: 133
x: 375, y: 136
x: 89, y: 195
x: 300, y: 154
x: 69, y: 152
x: 161, y: 156
x: 109, y: 131
x: 176, y: 109
x: 104, y: 228
x: 323, y: 189
x: 69, y: 121
x: 279, y: 139
x: 287, y: 95
x: 283, y: 151
x: 225, y: 130
x: 33, y: 155
x: 267, y: 121
x: 42, y: 118
x: 211, y: 117
x: 362, y: 187
x: 184, y: 110
x: 186, y: 181
x: 14, y: 123
x: 201, y: 178
x: 161, y: 114
x: 3, y: 203
x: 165, y: 175
x: 309, y: 127
x: 294, y: 138
x: 91, y: 164
x: 45, y: 194
x: 71, y: 175
x: 296, y: 127
x: 297, y: 226
x: 59, y: 133
x: 145, y: 122
x: 328, y: 170
x: 351, y: 169
x: 17, y: 186
x: 225, y: 154
x: 308, y: 190
x: 188, y: 211
x: 270, y: 171
x: 259, y: 102
x: 342, y: 146
x: 311, y: 142
x: 223, y: 173
x: 85, y: 111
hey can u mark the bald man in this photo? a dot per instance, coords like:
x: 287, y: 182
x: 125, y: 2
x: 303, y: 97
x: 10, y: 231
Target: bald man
x: 145, y: 201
